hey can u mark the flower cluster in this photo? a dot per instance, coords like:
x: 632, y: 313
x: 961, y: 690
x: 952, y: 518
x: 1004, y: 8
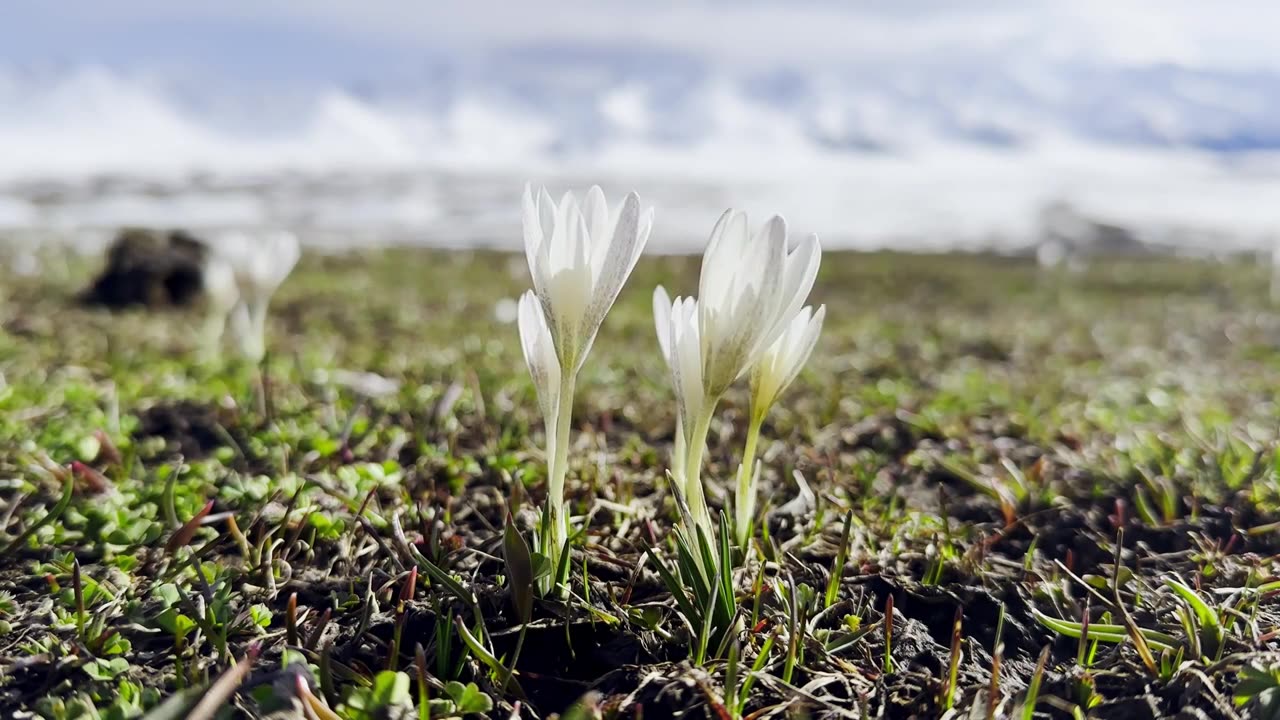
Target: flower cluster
x: 750, y: 295
x: 749, y: 321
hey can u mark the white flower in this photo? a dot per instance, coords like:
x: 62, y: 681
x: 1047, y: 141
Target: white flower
x: 749, y: 290
x: 368, y: 384
x: 684, y: 357
x: 540, y: 356
x: 259, y: 262
x: 506, y: 311
x: 662, y: 324
x: 777, y: 367
x: 222, y: 294
x: 580, y: 256
x: 686, y: 363
x: 782, y: 361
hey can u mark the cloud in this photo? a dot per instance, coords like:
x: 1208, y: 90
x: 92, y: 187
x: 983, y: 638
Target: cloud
x: 1236, y: 35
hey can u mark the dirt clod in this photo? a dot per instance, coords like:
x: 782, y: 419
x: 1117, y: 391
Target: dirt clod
x: 149, y: 268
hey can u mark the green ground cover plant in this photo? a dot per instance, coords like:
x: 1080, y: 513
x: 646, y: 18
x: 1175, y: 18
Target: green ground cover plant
x: 992, y: 492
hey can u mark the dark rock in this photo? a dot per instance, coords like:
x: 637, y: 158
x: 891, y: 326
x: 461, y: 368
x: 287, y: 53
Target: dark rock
x: 149, y: 268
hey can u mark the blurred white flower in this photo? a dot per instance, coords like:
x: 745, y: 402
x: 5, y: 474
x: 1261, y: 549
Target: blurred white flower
x: 369, y: 384
x: 506, y: 311
x: 259, y: 262
x: 579, y: 257
x: 25, y: 263
x: 221, y: 296
x: 777, y: 367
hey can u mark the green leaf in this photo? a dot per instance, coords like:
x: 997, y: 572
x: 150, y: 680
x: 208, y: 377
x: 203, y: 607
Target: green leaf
x: 675, y: 587
x: 467, y: 698
x: 520, y: 572
x: 1204, y: 613
x: 260, y: 614
x: 168, y: 594
x: 101, y: 669
x: 68, y: 487
x: 176, y: 706
x: 1261, y: 685
x: 1106, y: 633
x: 391, y: 689
x: 88, y: 448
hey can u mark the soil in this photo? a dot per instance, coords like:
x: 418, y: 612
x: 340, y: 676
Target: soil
x: 151, y: 269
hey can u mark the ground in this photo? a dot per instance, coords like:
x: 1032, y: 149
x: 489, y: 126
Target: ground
x: 996, y: 457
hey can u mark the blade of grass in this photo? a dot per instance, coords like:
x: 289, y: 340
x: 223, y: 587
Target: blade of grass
x: 221, y: 690
x: 68, y: 486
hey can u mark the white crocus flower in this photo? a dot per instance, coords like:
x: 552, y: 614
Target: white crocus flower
x: 662, y: 324
x: 221, y: 297
x: 579, y: 256
x: 684, y: 350
x: 260, y: 263
x: 544, y: 367
x: 749, y: 290
x: 777, y: 367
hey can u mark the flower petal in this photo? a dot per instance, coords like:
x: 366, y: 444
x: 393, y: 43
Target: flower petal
x: 686, y: 365
x: 662, y: 321
x: 617, y: 262
x: 802, y: 271
x: 781, y: 363
x: 800, y: 341
x: 762, y: 318
x: 595, y: 209
x: 742, y: 331
x: 285, y: 253
x: 646, y: 227
x: 534, y: 236
x: 547, y: 212
x: 565, y: 236
x: 539, y: 354
x: 722, y: 247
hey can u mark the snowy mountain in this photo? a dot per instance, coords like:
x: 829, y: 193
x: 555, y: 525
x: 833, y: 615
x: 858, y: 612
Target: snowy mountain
x: 883, y: 129
x: 575, y: 105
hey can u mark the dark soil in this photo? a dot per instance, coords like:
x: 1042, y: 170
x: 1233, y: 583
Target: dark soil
x: 149, y: 268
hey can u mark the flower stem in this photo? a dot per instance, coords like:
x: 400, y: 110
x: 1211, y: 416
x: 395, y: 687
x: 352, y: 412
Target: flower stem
x: 255, y: 340
x: 557, y: 509
x: 679, y: 456
x: 697, y: 443
x: 214, y: 327
x: 745, y: 502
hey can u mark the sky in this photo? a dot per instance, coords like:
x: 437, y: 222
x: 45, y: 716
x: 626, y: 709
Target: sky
x: 935, y: 114
x: 351, y: 41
